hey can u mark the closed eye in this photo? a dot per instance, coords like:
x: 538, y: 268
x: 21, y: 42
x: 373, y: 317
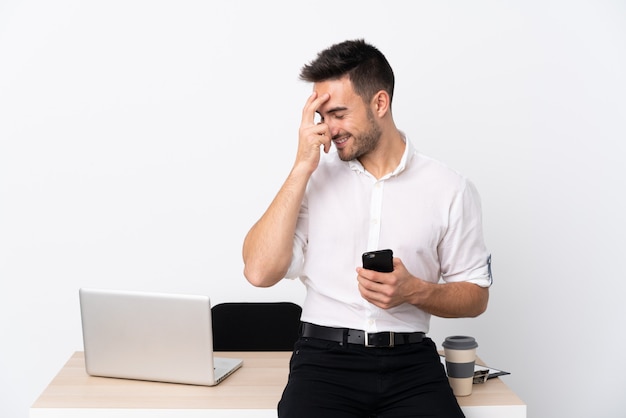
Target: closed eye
x: 335, y: 112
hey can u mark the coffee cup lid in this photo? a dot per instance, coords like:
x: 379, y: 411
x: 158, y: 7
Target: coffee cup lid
x: 460, y: 342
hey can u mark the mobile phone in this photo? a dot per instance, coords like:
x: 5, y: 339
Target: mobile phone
x: 380, y: 260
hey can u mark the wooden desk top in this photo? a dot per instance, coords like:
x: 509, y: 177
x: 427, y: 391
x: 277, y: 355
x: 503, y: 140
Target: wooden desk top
x: 257, y: 385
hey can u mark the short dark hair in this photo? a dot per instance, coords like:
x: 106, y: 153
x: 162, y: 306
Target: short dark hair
x: 368, y: 69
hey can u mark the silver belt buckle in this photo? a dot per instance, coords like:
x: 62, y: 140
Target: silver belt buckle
x: 367, y: 340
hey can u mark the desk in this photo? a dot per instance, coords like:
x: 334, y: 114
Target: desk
x: 252, y: 391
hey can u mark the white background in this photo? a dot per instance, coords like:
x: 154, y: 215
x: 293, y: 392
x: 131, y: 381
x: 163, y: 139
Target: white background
x: 141, y: 139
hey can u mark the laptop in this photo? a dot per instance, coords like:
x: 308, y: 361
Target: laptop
x: 151, y: 336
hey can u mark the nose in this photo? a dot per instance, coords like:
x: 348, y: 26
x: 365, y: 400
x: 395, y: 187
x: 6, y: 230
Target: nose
x: 333, y: 127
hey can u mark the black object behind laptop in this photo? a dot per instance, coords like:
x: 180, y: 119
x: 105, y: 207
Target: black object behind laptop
x: 255, y: 326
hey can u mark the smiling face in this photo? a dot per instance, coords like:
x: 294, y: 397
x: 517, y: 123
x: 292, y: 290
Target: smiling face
x: 351, y: 121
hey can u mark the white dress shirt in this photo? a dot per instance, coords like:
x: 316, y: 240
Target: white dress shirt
x: 428, y: 214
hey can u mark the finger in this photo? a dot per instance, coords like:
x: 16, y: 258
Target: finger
x: 326, y: 139
x: 306, y: 111
x: 317, y: 135
x: 313, y: 103
x: 371, y: 296
x: 373, y: 276
x: 320, y: 129
x: 327, y: 146
x: 368, y: 283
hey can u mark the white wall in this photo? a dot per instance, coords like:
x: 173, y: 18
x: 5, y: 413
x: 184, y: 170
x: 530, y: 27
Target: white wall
x: 141, y: 139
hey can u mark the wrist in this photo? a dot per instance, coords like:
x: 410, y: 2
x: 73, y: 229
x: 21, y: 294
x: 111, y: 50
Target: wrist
x: 421, y: 292
x: 302, y: 170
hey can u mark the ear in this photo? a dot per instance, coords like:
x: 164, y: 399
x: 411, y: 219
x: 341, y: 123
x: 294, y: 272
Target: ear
x: 381, y: 104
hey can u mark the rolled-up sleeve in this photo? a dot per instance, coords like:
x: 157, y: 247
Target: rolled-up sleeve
x: 462, y: 252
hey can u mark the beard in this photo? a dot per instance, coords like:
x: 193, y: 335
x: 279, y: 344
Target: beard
x: 363, y: 143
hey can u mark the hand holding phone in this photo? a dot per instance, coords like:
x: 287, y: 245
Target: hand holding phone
x: 380, y: 260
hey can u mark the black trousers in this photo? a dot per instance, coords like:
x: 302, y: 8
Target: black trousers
x: 328, y: 379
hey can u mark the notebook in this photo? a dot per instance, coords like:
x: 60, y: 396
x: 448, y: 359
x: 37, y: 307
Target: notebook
x: 151, y: 336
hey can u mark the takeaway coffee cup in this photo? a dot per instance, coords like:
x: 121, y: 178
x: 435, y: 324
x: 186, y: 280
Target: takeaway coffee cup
x: 460, y: 353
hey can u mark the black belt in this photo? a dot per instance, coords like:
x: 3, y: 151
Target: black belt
x: 355, y: 336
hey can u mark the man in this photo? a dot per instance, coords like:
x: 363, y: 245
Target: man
x: 363, y: 351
